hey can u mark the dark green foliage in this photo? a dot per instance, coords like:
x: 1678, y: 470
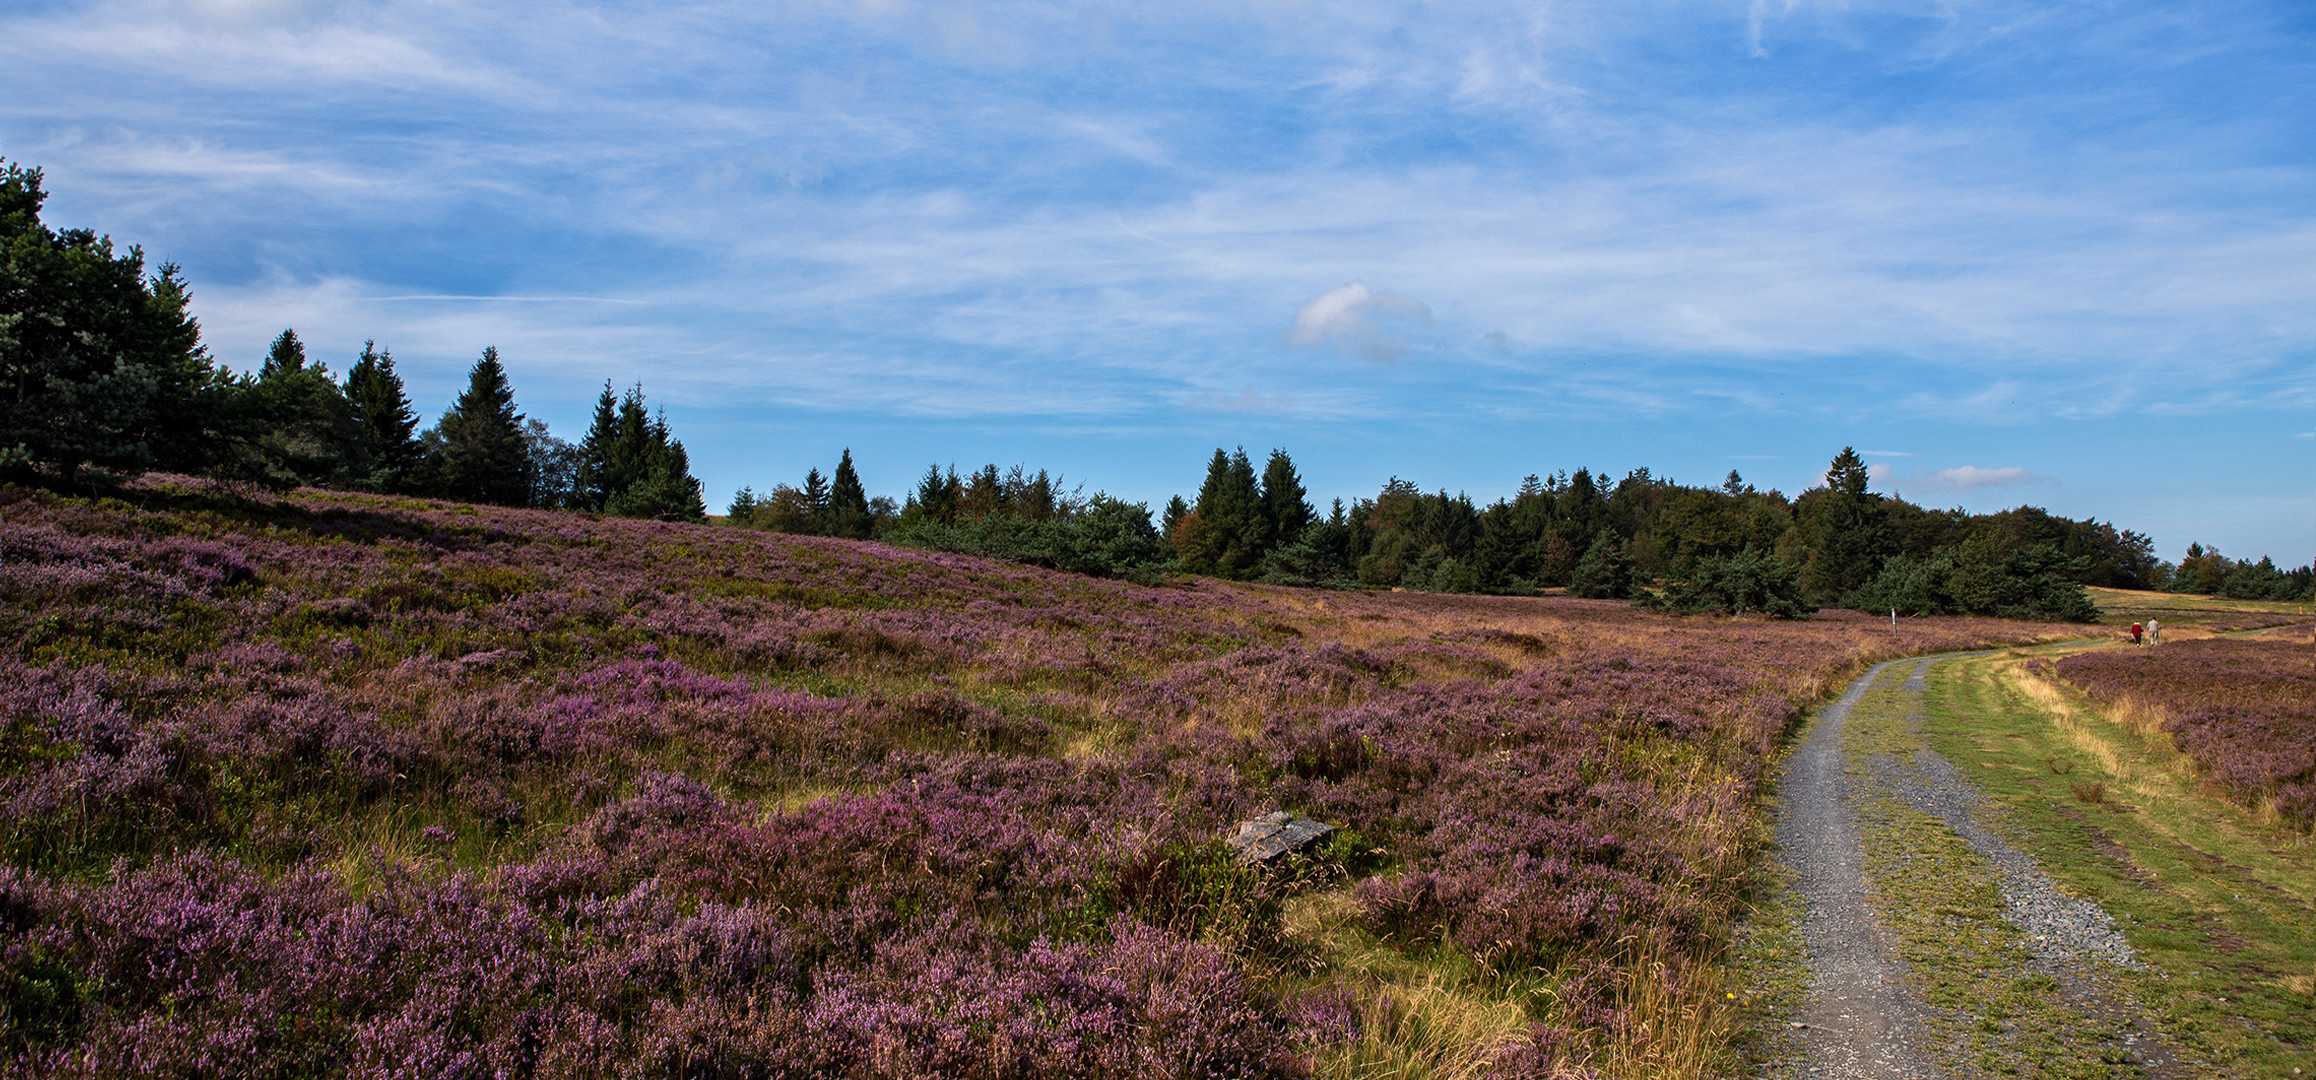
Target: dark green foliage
x: 1285, y: 509
x: 1752, y: 581
x: 385, y: 453
x: 99, y: 364
x: 1840, y: 530
x: 1105, y: 537
x: 1604, y: 573
x: 936, y: 497
x: 848, y: 505
x: 743, y: 506
x: 1909, y: 585
x: 630, y: 465
x: 2101, y: 554
x: 483, y: 455
x: 286, y: 354
x: 2263, y: 581
x: 1993, y: 575
x: 1228, y: 531
x: 304, y: 426
x: 1320, y: 556
x: 1176, y: 510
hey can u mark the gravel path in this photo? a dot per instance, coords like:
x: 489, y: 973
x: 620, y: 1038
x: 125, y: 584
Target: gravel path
x: 1861, y: 1022
x: 2058, y: 927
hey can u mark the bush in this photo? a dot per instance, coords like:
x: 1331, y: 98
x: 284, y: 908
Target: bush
x: 1749, y: 581
x: 1108, y: 538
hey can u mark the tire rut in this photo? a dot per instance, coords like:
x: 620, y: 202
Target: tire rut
x: 1862, y: 1021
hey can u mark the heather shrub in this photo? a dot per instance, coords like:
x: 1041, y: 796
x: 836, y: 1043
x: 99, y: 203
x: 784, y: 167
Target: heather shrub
x: 2243, y: 709
x: 364, y: 786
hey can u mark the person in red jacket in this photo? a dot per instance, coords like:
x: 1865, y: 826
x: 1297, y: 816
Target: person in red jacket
x: 2135, y: 630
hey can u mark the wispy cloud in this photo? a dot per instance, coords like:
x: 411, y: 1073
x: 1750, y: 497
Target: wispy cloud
x: 1959, y: 478
x: 1831, y: 218
x: 1352, y: 318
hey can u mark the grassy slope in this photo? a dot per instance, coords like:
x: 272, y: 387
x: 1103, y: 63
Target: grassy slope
x: 2218, y: 905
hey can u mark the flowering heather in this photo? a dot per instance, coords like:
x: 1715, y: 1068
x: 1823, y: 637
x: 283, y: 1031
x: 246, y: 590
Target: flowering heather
x: 341, y: 785
x: 2243, y: 708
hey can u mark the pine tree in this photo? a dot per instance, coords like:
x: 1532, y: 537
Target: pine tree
x: 287, y: 354
x: 848, y: 507
x: 484, y: 457
x: 306, y: 432
x: 1285, y: 509
x: 936, y: 496
x: 100, y: 364
x: 596, y: 449
x: 1842, y: 527
x: 385, y: 450
x: 1231, y: 531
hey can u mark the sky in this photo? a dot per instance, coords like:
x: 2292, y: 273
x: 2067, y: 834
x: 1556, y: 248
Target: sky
x: 2060, y: 254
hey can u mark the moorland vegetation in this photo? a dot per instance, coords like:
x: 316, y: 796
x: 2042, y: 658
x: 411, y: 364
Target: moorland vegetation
x: 342, y: 784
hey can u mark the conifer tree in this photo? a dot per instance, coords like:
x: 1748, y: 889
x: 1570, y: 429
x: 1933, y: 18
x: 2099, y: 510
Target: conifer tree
x: 816, y: 497
x: 287, y: 354
x: 100, y: 364
x: 1841, y: 527
x: 742, y: 509
x: 848, y: 507
x: 1176, y: 510
x: 385, y: 451
x: 936, y: 496
x: 596, y: 448
x: 484, y: 456
x: 1603, y: 573
x: 304, y: 426
x: 1285, y: 509
x: 1232, y: 531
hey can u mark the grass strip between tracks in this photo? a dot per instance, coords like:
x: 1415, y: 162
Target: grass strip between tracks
x: 2217, y: 905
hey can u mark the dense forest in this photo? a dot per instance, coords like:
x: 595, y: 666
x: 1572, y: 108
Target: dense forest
x: 106, y: 377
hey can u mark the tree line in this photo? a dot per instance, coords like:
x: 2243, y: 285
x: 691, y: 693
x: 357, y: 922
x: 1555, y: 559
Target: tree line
x: 102, y: 370
x: 103, y: 374
x: 1731, y: 548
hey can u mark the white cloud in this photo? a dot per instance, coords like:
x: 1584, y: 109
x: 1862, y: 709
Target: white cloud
x: 1345, y: 317
x: 1958, y: 478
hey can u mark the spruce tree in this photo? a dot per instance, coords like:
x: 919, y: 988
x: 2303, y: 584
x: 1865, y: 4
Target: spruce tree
x: 1176, y: 510
x: 484, y: 456
x: 1842, y: 528
x: 816, y: 501
x: 304, y: 428
x: 100, y: 364
x: 1285, y: 509
x: 385, y: 450
x: 848, y: 507
x: 936, y: 496
x: 1231, y: 532
x: 596, y: 449
x: 287, y: 354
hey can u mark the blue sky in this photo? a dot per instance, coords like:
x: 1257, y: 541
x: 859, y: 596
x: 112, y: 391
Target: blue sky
x: 2055, y: 253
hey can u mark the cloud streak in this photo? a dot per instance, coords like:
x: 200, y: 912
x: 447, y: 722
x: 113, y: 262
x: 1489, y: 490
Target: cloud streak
x: 1352, y: 318
x: 1960, y: 478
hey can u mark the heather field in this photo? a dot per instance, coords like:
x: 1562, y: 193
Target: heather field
x: 344, y: 785
x: 2242, y: 708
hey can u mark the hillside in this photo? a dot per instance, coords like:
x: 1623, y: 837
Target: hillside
x: 351, y: 785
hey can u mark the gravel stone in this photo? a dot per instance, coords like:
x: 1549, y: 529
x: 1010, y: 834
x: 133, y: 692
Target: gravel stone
x: 2058, y: 927
x: 1862, y: 1022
